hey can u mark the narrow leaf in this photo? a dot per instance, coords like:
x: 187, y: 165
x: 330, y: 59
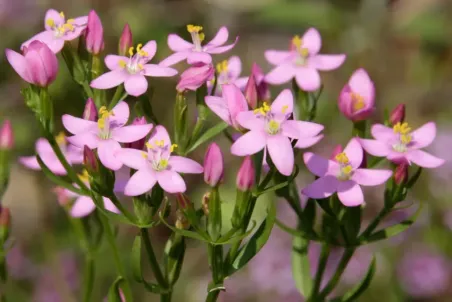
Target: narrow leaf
x: 208, y: 135
x: 226, y: 240
x: 301, y: 267
x: 186, y: 233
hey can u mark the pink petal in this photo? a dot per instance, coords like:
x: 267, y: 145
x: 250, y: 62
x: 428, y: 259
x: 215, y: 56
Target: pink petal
x: 109, y: 205
x: 424, y: 136
x: 281, y: 153
x: 83, y: 206
x: 153, y: 70
x: 368, y: 177
x: 136, y: 85
x: 42, y: 146
x: 219, y: 107
x: 141, y: 182
x: 350, y: 193
x: 307, y: 142
x: 132, y: 158
x: 361, y: 83
x: 177, y: 44
x: 241, y: 82
x: 74, y: 155
x: 235, y: 100
x: 151, y: 48
x: 55, y: 16
x: 112, y: 61
x: 222, y: 49
x: 19, y: 64
x: 308, y: 79
x: 383, y: 133
x: 321, y: 188
x: 53, y: 163
x: 71, y: 35
x: 326, y: 62
x: 249, y: 143
x: 110, y: 79
x: 354, y: 152
x: 277, y: 57
x: 283, y: 103
x: 199, y: 57
x: 81, y: 21
x: 174, y: 58
x: 46, y: 37
x: 220, y: 38
x: 106, y: 151
x: 375, y: 148
x: 312, y: 41
x: 289, y: 128
x: 184, y: 165
x: 121, y: 113
x: 280, y: 74
x: 171, y: 181
x: 234, y: 67
x: 30, y: 162
x: 424, y: 159
x: 319, y: 165
x: 160, y: 134
x: 89, y: 139
x: 249, y: 120
x: 131, y: 133
x: 77, y: 125
x: 308, y: 129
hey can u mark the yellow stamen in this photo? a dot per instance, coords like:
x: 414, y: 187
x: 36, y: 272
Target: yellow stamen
x: 122, y: 63
x: 103, y: 115
x: 131, y: 51
x: 149, y: 145
x: 262, y: 110
x: 144, y: 154
x: 347, y: 169
x: 140, y: 66
x: 84, y: 176
x: 62, y: 15
x: 297, y: 41
x: 202, y: 36
x: 357, y: 101
x: 194, y: 28
x: 401, y: 128
x: 222, y: 66
x: 68, y: 26
x: 163, y: 163
x: 139, y: 47
x: 284, y: 108
x: 173, y: 147
x: 160, y: 143
x: 101, y: 123
x: 60, y: 138
x: 342, y: 158
x: 50, y: 22
x: 304, y: 52
x: 406, y: 138
x: 70, y: 21
x: 273, y: 126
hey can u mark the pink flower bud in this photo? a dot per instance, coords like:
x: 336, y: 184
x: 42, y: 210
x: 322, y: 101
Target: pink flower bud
x: 38, y: 65
x: 357, y: 98
x: 139, y: 144
x: 90, y: 112
x: 62, y: 196
x: 251, y: 92
x: 338, y: 149
x: 263, y: 92
x: 401, y: 174
x: 6, y: 136
x: 246, y: 175
x: 90, y: 160
x: 183, y: 200
x: 397, y: 115
x: 94, y: 34
x: 195, y: 76
x: 126, y: 40
x: 213, y: 165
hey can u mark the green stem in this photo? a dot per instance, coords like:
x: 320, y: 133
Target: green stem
x: 116, y: 97
x: 88, y: 279
x: 374, y: 224
x: 320, y: 271
x: 121, y: 208
x: 213, y: 296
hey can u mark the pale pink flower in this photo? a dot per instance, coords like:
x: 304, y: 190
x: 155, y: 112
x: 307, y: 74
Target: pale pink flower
x: 59, y: 30
x: 228, y: 72
x: 271, y: 129
x: 106, y: 133
x: 195, y: 52
x: 133, y: 70
x: 157, y: 165
x: 302, y: 62
x: 342, y: 175
x: 399, y: 144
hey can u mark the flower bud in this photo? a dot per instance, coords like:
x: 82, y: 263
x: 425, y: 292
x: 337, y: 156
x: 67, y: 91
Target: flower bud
x: 5, y: 223
x: 246, y: 175
x: 357, y: 98
x: 397, y: 115
x: 6, y: 136
x: 401, y: 174
x: 126, y: 41
x: 94, y: 34
x: 90, y: 160
x: 90, y: 112
x: 139, y: 144
x: 263, y: 92
x: 183, y: 201
x: 181, y: 221
x: 213, y: 165
x: 338, y: 149
x: 251, y: 92
x: 195, y: 76
x: 205, y: 203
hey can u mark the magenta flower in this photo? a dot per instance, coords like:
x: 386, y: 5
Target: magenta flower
x: 72, y: 154
x: 342, y: 175
x: 94, y: 34
x: 228, y: 72
x: 357, y: 98
x: 194, y: 52
x: 302, y: 61
x: 157, y: 165
x: 195, y: 76
x: 106, y: 133
x: 59, y: 30
x: 38, y: 65
x: 400, y: 144
x: 270, y: 128
x: 229, y: 105
x: 133, y: 70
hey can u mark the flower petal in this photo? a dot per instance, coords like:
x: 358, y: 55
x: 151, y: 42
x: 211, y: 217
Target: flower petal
x: 112, y: 61
x: 76, y: 125
x: 307, y: 142
x: 374, y: 147
x: 160, y: 134
x: 280, y: 74
x: 361, y: 83
x: 132, y: 158
x: 350, y: 193
x: 234, y: 67
x: 235, y: 100
x: 109, y: 206
x: 308, y: 79
x: 55, y: 16
x: 141, y: 182
x: 383, y: 133
x: 283, y: 103
x: 312, y: 41
x: 424, y: 135
x: 83, y: 206
x: 277, y: 57
x: 184, y: 165
x: 176, y: 43
x: 318, y: 165
x: 121, y: 113
x: 136, y: 85
x: 281, y: 153
x: 43, y: 146
x: 199, y: 57
x: 249, y: 120
x: 30, y: 162
x: 107, y: 151
x: 131, y: 133
x: 424, y: 159
x: 171, y: 181
x: 110, y: 79
x: 221, y: 49
x: 53, y: 163
x: 174, y: 58
x: 321, y: 188
x: 84, y: 139
x: 249, y: 143
x: 219, y: 107
x: 153, y: 70
x: 151, y: 48
x: 326, y: 62
x: 74, y: 155
x: 220, y: 38
x: 47, y: 37
x: 19, y: 64
x: 369, y: 177
x: 354, y: 152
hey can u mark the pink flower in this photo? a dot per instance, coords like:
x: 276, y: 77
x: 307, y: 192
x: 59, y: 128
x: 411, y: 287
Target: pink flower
x: 357, y: 98
x: 302, y: 61
x: 6, y: 136
x: 94, y: 34
x: 228, y: 72
x: 229, y: 105
x: 72, y: 154
x: 38, y: 65
x: 58, y: 30
x: 133, y: 70
x: 157, y: 165
x: 400, y: 144
x: 195, y: 76
x: 342, y: 175
x: 213, y: 165
x: 125, y: 41
x: 270, y: 128
x: 106, y: 133
x: 195, y: 52
x: 246, y: 176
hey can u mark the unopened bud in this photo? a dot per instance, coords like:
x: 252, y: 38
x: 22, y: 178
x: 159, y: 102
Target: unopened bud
x: 251, y: 92
x: 90, y: 160
x: 181, y: 221
x: 126, y: 41
x: 90, y: 112
x: 94, y: 34
x: 6, y: 136
x: 338, y: 149
x: 263, y: 92
x: 183, y: 201
x: 139, y: 144
x: 401, y: 174
x: 246, y: 176
x: 213, y: 165
x: 397, y: 115
x: 205, y: 203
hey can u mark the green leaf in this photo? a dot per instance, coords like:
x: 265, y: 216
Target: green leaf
x: 208, y: 135
x: 300, y: 266
x: 214, y: 220
x: 280, y: 185
x: 186, y: 233
x: 228, y: 239
x: 173, y: 257
x: 113, y: 293
x: 352, y: 222
x: 413, y: 179
x: 294, y: 232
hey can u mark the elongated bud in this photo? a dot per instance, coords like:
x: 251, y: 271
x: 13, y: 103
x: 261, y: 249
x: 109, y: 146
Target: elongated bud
x: 183, y: 201
x: 338, y: 149
x: 90, y: 160
x: 246, y: 175
x: 6, y: 136
x: 139, y: 144
x: 195, y: 76
x: 90, y: 112
x: 181, y: 221
x: 94, y: 34
x: 397, y: 115
x: 401, y: 174
x: 5, y: 223
x: 251, y: 92
x: 126, y: 40
x: 263, y: 92
x: 213, y: 165
x: 205, y: 203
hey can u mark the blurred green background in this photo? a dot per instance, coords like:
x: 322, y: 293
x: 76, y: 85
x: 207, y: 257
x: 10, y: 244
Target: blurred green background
x: 406, y: 47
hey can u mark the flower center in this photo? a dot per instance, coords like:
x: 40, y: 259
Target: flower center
x: 404, y: 135
x: 272, y: 127
x: 346, y: 170
x: 61, y: 29
x: 135, y: 63
x: 303, y: 52
x: 196, y: 35
x: 357, y: 101
x: 159, y: 155
x: 223, y: 72
x: 103, y: 123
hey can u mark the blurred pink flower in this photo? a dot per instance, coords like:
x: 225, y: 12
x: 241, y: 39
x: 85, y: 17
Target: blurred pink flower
x: 195, y: 76
x: 228, y: 72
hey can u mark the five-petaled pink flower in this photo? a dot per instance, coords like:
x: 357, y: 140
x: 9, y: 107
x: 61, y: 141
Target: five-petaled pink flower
x: 342, y: 175
x: 194, y: 52
x: 59, y: 30
x: 157, y: 165
x: 106, y: 133
x: 271, y: 128
x: 302, y: 61
x: 73, y: 155
x: 400, y: 144
x: 132, y: 71
x: 228, y: 72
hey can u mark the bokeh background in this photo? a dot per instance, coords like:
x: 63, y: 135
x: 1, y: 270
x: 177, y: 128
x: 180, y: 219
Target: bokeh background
x: 405, y: 45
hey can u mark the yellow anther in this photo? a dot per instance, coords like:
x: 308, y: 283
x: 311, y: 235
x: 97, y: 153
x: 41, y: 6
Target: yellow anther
x: 163, y: 163
x: 122, y: 63
x: 70, y: 21
x: 273, y: 126
x: 84, y: 176
x: 139, y: 47
x: 131, y: 51
x: 406, y: 138
x: 144, y: 154
x: 202, y: 36
x: 69, y: 26
x: 342, y: 158
x: 284, y: 108
x: 297, y: 41
x: 173, y: 147
x: 402, y: 128
x: 262, y: 110
x: 304, y: 52
x: 357, y: 101
x: 50, y: 22
x: 149, y: 145
x: 346, y: 170
x: 62, y: 15
x: 194, y: 28
x: 222, y: 66
x: 160, y: 143
x: 143, y: 53
x: 140, y: 66
x: 60, y: 138
x: 101, y: 123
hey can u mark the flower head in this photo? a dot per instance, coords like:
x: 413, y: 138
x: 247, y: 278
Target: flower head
x: 302, y: 62
x: 400, y: 144
x: 228, y: 72
x: 157, y: 165
x: 342, y: 175
x: 106, y: 133
x: 58, y: 29
x: 94, y: 34
x: 132, y: 70
x: 125, y: 41
x: 397, y: 115
x: 195, y: 76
